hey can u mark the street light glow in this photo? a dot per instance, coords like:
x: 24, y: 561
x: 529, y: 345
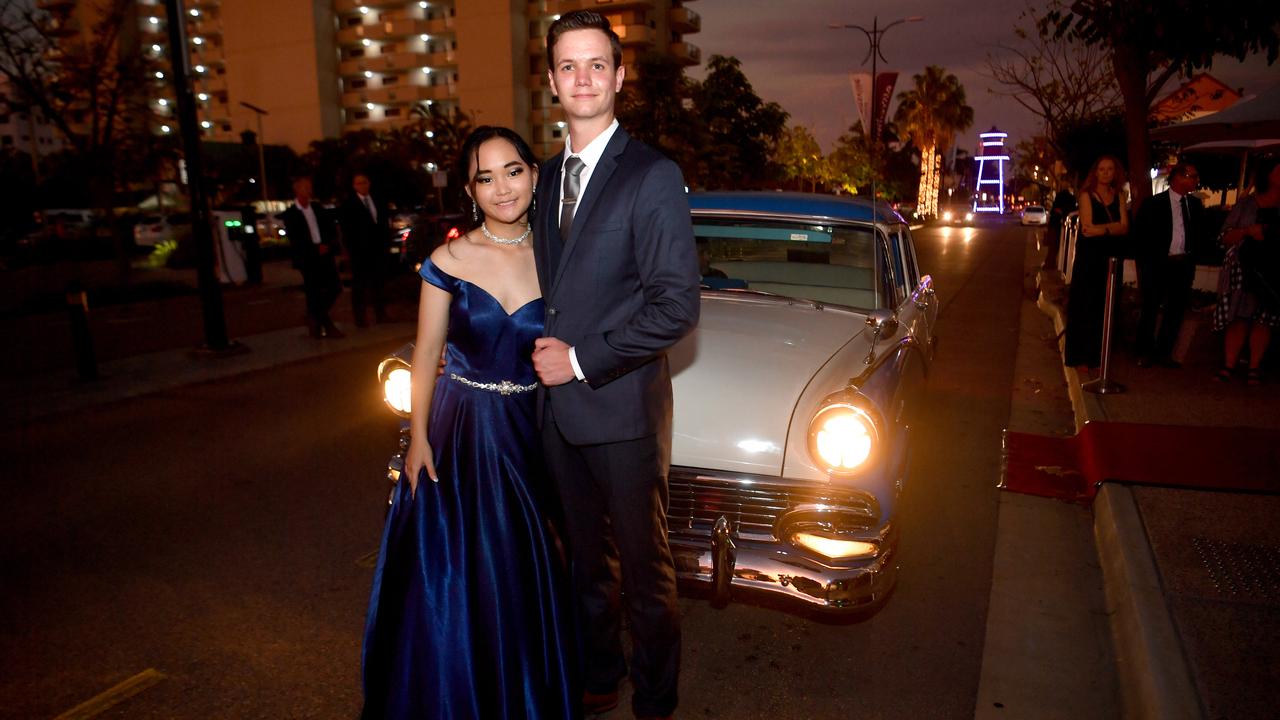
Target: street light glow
x: 203, y: 96
x: 366, y: 42
x: 153, y: 20
x: 162, y: 102
x: 424, y: 37
x: 195, y: 12
x: 369, y: 106
x: 199, y: 68
x: 159, y: 75
x: 206, y: 124
x: 364, y: 10
x: 368, y: 73
x: 197, y: 41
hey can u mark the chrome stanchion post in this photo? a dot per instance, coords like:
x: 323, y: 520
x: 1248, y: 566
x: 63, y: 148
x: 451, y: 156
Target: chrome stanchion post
x: 1105, y: 385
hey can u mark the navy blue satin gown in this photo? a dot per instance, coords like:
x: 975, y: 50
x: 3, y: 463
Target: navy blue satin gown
x: 471, y: 616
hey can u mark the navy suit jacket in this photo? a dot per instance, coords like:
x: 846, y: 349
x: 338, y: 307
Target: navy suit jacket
x: 621, y: 289
x: 1154, y: 226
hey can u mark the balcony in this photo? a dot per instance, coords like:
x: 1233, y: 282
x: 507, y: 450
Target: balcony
x: 401, y: 94
x: 560, y: 7
x: 686, y: 53
x: 394, y: 63
x: 635, y: 34
x: 684, y: 20
x: 342, y: 7
x: 394, y: 30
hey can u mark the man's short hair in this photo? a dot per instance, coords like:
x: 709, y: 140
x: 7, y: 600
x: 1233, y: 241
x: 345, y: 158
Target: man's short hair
x: 582, y: 20
x: 1181, y: 168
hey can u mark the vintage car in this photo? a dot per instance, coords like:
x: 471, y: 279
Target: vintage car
x: 794, y: 398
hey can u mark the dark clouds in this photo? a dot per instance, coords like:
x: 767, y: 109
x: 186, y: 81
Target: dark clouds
x: 794, y: 59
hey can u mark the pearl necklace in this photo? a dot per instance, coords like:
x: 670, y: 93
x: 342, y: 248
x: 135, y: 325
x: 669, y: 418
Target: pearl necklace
x: 484, y: 230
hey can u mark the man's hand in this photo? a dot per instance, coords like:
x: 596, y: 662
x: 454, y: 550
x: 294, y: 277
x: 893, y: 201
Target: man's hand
x: 551, y: 361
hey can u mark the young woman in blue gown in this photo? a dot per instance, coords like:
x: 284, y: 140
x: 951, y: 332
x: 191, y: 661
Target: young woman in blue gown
x: 470, y: 616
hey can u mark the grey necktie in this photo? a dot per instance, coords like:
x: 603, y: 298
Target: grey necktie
x: 569, y: 193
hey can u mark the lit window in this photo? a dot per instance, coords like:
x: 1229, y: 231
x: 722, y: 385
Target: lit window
x: 199, y: 68
x: 431, y: 133
x: 206, y: 124
x: 165, y: 129
x: 368, y: 74
x: 156, y: 48
x: 423, y: 4
x: 426, y: 71
x: 197, y: 41
x: 364, y: 10
x: 369, y: 105
x: 424, y: 37
x: 365, y: 42
x: 162, y: 102
x: 195, y: 12
x: 203, y: 97
x: 159, y: 75
x: 153, y: 20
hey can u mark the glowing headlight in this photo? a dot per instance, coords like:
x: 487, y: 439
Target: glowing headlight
x: 946, y: 215
x: 842, y: 437
x: 395, y: 389
x: 833, y: 548
x: 968, y: 217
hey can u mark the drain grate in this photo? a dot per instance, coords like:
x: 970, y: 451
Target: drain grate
x: 1241, y: 571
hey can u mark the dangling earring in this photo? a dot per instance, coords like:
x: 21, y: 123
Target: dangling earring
x: 475, y: 211
x: 533, y: 204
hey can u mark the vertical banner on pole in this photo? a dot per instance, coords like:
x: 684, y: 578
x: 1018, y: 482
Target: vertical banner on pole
x: 885, y: 83
x: 862, y: 93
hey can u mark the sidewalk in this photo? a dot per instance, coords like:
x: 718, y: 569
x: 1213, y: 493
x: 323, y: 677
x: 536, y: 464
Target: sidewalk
x: 1191, y: 575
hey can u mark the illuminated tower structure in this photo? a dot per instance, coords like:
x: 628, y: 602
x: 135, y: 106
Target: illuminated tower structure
x: 989, y: 190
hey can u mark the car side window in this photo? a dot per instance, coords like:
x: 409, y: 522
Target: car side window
x: 909, y: 253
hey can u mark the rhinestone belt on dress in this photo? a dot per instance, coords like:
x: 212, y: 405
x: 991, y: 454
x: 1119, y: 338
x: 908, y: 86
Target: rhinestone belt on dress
x: 505, y: 387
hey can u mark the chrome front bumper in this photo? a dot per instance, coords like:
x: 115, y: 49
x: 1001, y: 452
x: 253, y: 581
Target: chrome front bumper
x: 729, y: 531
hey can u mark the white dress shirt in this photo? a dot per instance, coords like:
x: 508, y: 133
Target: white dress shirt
x: 309, y: 213
x: 590, y: 156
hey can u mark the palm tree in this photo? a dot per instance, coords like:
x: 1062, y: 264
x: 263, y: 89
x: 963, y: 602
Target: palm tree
x: 931, y: 114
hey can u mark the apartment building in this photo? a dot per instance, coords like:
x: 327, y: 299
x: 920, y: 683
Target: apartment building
x: 24, y: 129
x: 323, y: 67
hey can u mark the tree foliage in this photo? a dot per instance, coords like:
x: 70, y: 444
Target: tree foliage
x: 740, y: 128
x: 933, y: 110
x: 1059, y: 79
x: 800, y: 160
x: 1150, y: 41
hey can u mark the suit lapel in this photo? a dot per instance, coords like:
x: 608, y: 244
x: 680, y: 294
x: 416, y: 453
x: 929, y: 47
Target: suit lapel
x: 545, y: 253
x: 595, y: 189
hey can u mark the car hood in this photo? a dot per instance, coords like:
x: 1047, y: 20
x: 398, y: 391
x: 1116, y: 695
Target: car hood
x: 738, y: 377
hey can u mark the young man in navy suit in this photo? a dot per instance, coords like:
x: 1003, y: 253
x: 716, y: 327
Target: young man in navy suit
x: 619, y: 273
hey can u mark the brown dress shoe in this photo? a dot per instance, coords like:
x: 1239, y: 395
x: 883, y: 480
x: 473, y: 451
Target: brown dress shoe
x: 596, y: 703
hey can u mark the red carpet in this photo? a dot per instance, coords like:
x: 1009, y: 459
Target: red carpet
x: 1210, y: 458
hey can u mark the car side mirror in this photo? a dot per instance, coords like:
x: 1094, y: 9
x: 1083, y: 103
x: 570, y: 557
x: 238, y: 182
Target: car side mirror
x: 882, y: 322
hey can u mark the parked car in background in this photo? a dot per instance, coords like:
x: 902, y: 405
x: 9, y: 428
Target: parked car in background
x: 795, y: 399
x: 414, y: 244
x: 151, y: 230
x: 1035, y: 215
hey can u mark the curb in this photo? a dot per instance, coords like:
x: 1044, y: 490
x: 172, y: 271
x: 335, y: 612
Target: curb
x: 1155, y: 677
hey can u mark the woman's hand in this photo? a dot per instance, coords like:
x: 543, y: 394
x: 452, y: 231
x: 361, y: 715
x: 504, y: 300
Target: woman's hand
x: 417, y: 458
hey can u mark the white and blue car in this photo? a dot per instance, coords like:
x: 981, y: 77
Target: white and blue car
x: 794, y: 398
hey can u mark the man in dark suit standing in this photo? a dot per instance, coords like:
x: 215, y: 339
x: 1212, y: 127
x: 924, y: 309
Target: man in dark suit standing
x: 1170, y: 232
x: 366, y: 232
x: 619, y: 273
x: 314, y: 246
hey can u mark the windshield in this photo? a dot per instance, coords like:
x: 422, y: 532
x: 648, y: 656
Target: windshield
x: 824, y: 263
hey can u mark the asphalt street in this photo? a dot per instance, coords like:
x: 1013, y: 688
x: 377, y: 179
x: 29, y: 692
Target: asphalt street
x: 220, y: 534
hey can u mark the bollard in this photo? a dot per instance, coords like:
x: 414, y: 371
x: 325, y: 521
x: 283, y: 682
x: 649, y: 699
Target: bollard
x: 1104, y: 385
x: 81, y: 337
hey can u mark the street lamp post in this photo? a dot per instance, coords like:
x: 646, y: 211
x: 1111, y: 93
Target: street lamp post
x: 262, y: 161
x: 874, y: 36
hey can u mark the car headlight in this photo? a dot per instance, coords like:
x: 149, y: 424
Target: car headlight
x: 968, y: 217
x: 946, y: 215
x: 843, y: 436
x: 396, y: 380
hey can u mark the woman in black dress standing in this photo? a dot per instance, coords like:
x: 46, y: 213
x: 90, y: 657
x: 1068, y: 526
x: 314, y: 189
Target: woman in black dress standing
x: 1104, y: 223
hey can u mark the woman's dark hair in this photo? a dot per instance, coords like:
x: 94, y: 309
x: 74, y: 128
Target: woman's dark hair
x: 582, y: 20
x: 469, y: 157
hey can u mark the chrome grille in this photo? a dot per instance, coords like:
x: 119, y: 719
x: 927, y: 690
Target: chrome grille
x: 752, y: 506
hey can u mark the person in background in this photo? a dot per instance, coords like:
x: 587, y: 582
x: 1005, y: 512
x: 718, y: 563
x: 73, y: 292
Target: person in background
x: 314, y: 245
x: 1064, y: 203
x: 1169, y: 228
x: 366, y: 234
x: 1104, y: 225
x: 1249, y: 286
